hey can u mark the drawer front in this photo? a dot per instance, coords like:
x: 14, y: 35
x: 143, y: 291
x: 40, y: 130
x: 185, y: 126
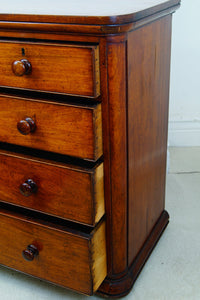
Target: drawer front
x: 65, y: 191
x: 72, y: 260
x: 56, y: 68
x: 61, y: 128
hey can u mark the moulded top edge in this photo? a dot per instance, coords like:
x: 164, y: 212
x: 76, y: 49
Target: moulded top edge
x: 82, y: 12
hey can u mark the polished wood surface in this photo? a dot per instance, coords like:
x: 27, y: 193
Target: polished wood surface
x: 111, y: 140
x: 28, y: 187
x: 37, y: 30
x: 114, y: 15
x: 69, y: 192
x: 63, y: 68
x: 62, y: 128
x: 118, y: 151
x: 21, y: 67
x: 149, y: 62
x: 141, y: 143
x: 26, y: 126
x: 30, y: 253
x: 66, y: 258
x: 120, y: 287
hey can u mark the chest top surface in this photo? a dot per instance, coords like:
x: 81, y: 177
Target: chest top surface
x: 87, y: 8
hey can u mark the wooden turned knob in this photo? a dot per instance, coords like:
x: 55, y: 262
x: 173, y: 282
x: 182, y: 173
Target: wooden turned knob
x: 26, y: 126
x: 21, y: 67
x: 30, y: 252
x: 28, y: 188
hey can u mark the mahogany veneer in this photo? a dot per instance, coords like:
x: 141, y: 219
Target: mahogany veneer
x: 83, y: 138
x: 70, y: 192
x: 76, y: 257
x: 62, y: 68
x: 74, y: 130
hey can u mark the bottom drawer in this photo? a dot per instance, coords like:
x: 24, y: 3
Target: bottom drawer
x: 64, y: 256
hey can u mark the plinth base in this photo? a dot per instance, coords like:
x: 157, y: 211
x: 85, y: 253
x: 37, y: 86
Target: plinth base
x: 120, y: 287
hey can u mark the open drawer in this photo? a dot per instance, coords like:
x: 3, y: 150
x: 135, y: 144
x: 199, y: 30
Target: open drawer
x: 56, y: 253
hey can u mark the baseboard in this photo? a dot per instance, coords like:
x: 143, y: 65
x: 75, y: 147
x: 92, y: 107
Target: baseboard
x: 184, y: 133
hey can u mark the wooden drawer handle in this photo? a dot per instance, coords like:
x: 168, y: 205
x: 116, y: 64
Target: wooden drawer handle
x: 21, y: 67
x: 26, y: 126
x: 30, y: 252
x: 28, y: 188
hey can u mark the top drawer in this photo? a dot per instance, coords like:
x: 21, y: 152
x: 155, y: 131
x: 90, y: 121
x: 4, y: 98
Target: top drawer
x: 57, y: 68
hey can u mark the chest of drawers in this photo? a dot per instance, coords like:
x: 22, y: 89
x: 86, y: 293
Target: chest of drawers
x: 83, y: 139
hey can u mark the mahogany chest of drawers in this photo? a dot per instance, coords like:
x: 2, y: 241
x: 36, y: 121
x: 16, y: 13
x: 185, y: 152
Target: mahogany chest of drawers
x: 83, y: 139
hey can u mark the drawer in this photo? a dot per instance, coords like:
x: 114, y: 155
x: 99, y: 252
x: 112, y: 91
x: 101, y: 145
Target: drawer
x: 61, y: 128
x: 69, y: 192
x: 57, y: 254
x: 57, y: 68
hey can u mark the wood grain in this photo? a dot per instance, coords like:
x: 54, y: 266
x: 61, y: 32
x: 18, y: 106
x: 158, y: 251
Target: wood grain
x: 146, y: 116
x: 60, y: 128
x: 148, y: 88
x: 106, y: 149
x: 59, y: 68
x: 118, y: 155
x: 120, y: 287
x: 69, y: 192
x: 99, y: 256
x: 133, y: 66
x: 28, y: 29
x: 73, y: 260
x: 136, y: 13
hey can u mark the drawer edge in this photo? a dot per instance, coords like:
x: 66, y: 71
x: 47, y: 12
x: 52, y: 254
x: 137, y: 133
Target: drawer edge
x: 98, y: 256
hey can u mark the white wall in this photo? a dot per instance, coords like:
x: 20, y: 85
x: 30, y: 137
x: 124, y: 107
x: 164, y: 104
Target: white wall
x: 184, y: 114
